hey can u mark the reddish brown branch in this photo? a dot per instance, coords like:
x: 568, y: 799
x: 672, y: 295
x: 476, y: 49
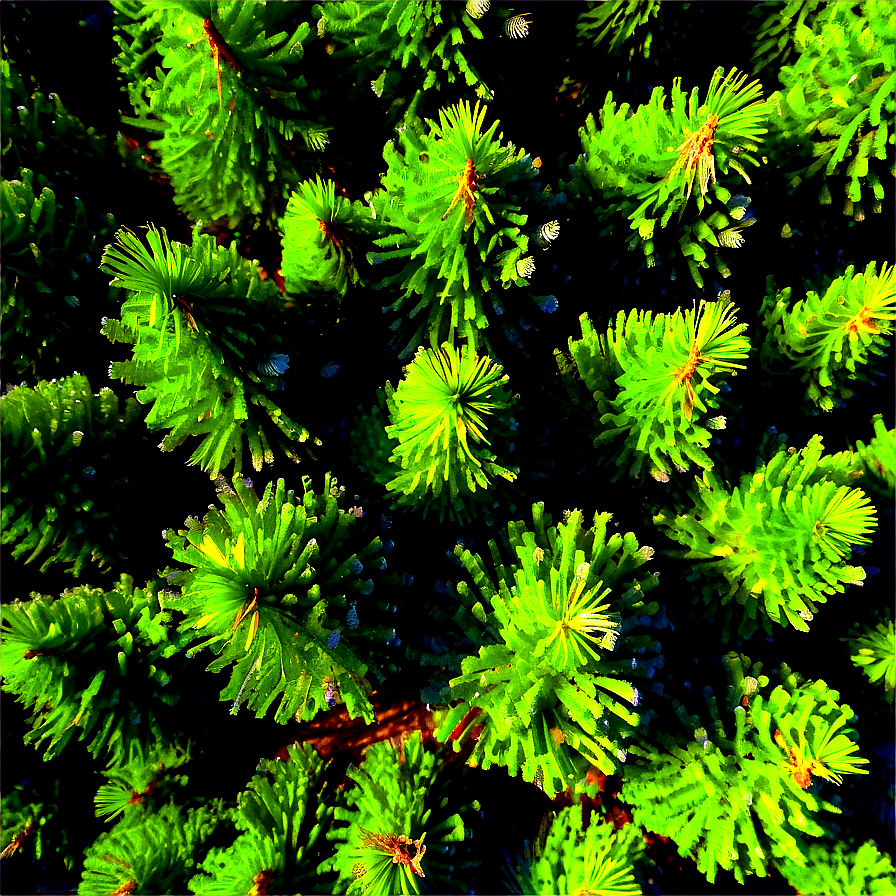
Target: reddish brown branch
x: 334, y: 732
x: 219, y: 46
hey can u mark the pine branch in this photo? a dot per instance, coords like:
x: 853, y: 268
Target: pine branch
x: 654, y: 379
x: 547, y: 693
x: 737, y: 797
x: 55, y: 437
x: 775, y: 544
x: 276, y: 590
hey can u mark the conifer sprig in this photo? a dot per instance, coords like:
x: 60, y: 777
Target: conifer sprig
x: 654, y: 381
x: 206, y: 348
x: 229, y: 150
x: 459, y: 198
x: 580, y: 856
x: 547, y: 693
x: 873, y: 650
x: 90, y: 663
x: 276, y: 590
x: 439, y: 414
x: 831, y: 336
x: 283, y: 816
x: 320, y: 239
x: 384, y: 39
x: 58, y: 508
x: 840, y: 94
x: 778, y: 542
x: 643, y: 166
x: 841, y: 868
x: 740, y: 796
x: 48, y: 250
x: 401, y: 829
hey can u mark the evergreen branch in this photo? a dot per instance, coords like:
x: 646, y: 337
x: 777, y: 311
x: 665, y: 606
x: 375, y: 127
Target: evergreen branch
x: 777, y: 542
x: 319, y: 239
x: 830, y: 337
x: 149, y: 852
x: 284, y: 816
x: 219, y: 147
x: 548, y: 696
x: 839, y: 94
x: 642, y: 166
x: 269, y: 583
x: 583, y: 857
x: 398, y: 800
x: 458, y: 197
x: 56, y: 436
x: 199, y: 318
x: 737, y: 797
x: 438, y: 417
x: 653, y: 381
x: 839, y: 868
x: 873, y: 650
x: 67, y: 662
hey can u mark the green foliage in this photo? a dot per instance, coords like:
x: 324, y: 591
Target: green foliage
x: 776, y: 543
x: 840, y: 870
x: 878, y: 458
x: 147, y: 777
x: 841, y: 93
x: 437, y: 416
x: 45, y: 244
x: 830, y: 337
x: 381, y: 39
x: 652, y: 378
x: 642, y: 166
x: 621, y: 24
x: 203, y: 325
x: 283, y: 817
x: 546, y: 692
x: 32, y: 824
x: 401, y: 798
x: 320, y: 234
x: 232, y: 106
x: 89, y: 663
x: 777, y: 23
x: 40, y: 133
x: 272, y: 582
x: 580, y: 857
x: 458, y: 197
x: 873, y: 464
x: 54, y: 437
x: 49, y: 283
x: 138, y: 33
x: 874, y: 652
x: 149, y: 852
x: 737, y: 801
